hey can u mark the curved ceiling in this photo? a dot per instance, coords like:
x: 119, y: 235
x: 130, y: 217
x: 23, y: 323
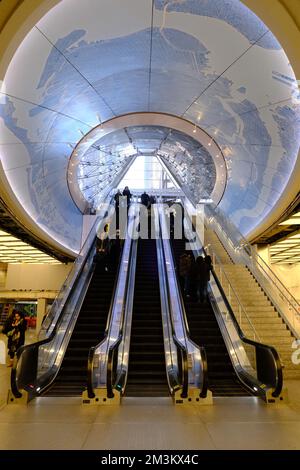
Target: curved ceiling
x: 212, y: 62
x: 103, y: 156
x: 102, y: 162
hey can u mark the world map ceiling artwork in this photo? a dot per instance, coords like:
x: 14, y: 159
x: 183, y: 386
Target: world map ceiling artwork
x: 211, y: 62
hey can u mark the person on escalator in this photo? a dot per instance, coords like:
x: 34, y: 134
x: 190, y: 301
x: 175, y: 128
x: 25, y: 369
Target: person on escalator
x: 128, y: 195
x: 117, y: 199
x: 115, y: 251
x: 209, y: 267
x: 193, y: 280
x: 145, y: 199
x: 201, y: 276
x: 102, y: 248
x: 185, y: 263
x: 152, y: 200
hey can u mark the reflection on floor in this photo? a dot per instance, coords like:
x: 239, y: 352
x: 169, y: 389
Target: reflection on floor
x: 149, y: 424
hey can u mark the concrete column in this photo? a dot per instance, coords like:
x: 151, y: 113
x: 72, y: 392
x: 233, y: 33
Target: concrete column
x: 41, y: 310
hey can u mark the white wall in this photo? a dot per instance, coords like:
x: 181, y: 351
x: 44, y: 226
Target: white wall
x: 36, y: 276
x: 289, y: 274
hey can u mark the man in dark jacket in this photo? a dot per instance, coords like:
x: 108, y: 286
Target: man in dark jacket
x: 145, y: 199
x: 128, y: 195
x: 185, y: 262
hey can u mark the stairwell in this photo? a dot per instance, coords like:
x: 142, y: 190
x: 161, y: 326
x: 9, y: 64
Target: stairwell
x: 266, y: 320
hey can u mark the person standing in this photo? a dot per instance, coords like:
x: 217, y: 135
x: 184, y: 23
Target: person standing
x: 16, y: 335
x: 185, y: 263
x: 201, y: 278
x: 208, y: 269
x: 117, y: 206
x: 145, y: 199
x: 128, y: 195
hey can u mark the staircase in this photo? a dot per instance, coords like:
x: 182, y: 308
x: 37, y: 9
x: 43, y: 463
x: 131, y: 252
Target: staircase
x: 204, y: 331
x: 147, y: 369
x: 268, y: 324
x: 89, y: 331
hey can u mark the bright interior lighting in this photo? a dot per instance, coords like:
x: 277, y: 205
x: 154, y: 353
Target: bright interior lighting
x: 14, y: 251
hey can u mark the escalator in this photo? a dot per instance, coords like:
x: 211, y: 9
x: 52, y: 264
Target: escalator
x: 89, y: 330
x: 147, y: 370
x: 204, y: 331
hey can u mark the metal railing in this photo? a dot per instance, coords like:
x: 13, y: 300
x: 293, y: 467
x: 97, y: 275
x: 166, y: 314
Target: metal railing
x: 233, y: 297
x: 197, y: 371
x: 102, y: 356
x: 242, y: 252
x: 37, y: 364
x: 257, y: 365
x: 176, y: 355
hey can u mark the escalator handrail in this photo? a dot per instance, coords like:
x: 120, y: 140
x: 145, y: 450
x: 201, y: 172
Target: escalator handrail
x: 114, y: 346
x: 93, y: 349
x: 97, y: 224
x: 180, y: 347
x: 184, y: 361
x: 183, y: 349
x: 109, y: 370
x: 256, y: 344
x: 37, y: 344
x: 278, y: 366
x: 13, y: 376
x: 203, y: 354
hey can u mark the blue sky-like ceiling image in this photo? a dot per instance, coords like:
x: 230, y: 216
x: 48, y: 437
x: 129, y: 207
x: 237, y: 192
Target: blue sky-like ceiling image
x: 212, y: 62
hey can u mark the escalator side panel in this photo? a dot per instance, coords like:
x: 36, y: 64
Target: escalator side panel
x: 204, y: 331
x: 88, y: 331
x: 147, y: 370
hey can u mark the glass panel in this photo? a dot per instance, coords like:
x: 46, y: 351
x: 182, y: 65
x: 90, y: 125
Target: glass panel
x: 146, y: 173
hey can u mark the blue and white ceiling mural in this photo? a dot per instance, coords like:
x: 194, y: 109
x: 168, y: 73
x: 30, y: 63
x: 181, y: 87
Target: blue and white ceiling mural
x: 212, y: 62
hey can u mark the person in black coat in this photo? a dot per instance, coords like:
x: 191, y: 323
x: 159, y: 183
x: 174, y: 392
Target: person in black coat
x: 208, y: 264
x: 117, y: 205
x: 201, y: 278
x: 145, y: 199
x: 128, y: 195
x: 16, y: 334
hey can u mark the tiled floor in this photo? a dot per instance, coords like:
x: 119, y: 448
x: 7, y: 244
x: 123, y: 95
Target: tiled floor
x: 149, y: 424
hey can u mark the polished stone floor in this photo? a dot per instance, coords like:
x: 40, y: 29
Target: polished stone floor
x: 149, y: 424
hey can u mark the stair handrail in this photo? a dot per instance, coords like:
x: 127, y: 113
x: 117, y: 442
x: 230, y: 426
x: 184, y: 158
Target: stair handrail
x: 258, y: 345
x: 277, y: 382
x: 226, y: 228
x: 223, y: 272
